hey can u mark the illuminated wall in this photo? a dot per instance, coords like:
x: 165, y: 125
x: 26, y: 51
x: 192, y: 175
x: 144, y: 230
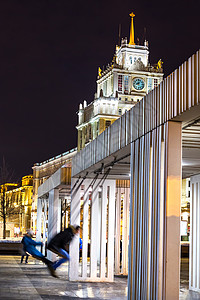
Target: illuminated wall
x: 18, y: 198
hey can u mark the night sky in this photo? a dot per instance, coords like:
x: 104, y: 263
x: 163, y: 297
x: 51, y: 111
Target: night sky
x: 49, y: 55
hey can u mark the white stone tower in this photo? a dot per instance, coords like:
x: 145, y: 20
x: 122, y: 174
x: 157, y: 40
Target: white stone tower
x: 120, y: 86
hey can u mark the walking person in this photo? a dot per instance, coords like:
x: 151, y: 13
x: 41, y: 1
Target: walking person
x: 58, y: 244
x: 24, y: 252
x: 29, y: 246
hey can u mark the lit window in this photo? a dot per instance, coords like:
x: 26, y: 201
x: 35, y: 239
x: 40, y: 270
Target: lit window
x: 108, y: 123
x: 150, y: 84
x: 126, y: 84
x: 120, y: 83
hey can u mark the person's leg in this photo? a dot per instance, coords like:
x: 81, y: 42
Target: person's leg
x: 22, y: 258
x: 38, y: 255
x: 26, y: 261
x: 65, y: 257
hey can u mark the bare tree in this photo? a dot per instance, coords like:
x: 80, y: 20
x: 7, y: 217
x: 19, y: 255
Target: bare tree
x: 7, y: 207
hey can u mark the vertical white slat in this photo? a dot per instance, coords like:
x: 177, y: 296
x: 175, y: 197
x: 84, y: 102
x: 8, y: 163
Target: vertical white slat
x: 198, y: 233
x: 94, y: 231
x: 131, y: 224
x: 136, y: 238
x: 127, y: 225
x: 111, y: 230
x: 39, y: 219
x: 194, y: 236
x: 161, y: 234
x: 191, y: 236
x: 117, y: 231
x: 140, y: 217
x: 54, y: 209
x: 103, y: 231
x: 44, y: 226
x: 74, y: 220
x: 85, y: 228
x: 150, y: 219
x: 124, y: 231
x: 146, y: 205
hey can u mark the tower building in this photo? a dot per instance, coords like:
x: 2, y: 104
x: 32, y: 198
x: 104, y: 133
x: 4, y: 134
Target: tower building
x: 124, y: 82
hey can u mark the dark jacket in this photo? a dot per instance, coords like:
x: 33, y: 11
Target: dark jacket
x: 61, y: 239
x: 29, y: 245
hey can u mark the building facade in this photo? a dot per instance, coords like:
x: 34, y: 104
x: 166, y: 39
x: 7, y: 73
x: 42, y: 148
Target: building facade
x: 17, y: 201
x: 42, y: 171
x: 124, y: 82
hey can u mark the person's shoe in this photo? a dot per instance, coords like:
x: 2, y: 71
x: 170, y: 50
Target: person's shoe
x: 52, y: 271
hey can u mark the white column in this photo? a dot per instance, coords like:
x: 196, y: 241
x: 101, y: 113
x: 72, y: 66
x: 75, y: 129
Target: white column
x: 90, y: 189
x: 111, y: 230
x: 104, y: 201
x: 117, y: 231
x: 53, y: 218
x: 94, y: 230
x: 173, y: 210
x: 39, y: 219
x: 85, y: 228
x: 154, y: 244
x: 194, y: 270
x: 74, y: 220
x: 125, y: 231
x: 44, y: 226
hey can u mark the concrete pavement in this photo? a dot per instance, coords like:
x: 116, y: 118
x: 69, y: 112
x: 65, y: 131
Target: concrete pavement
x: 33, y: 281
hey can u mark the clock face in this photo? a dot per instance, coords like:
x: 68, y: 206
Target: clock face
x: 138, y: 84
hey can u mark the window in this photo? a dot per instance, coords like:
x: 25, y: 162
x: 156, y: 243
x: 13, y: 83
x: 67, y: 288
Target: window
x: 150, y: 84
x: 120, y: 83
x: 131, y: 60
x: 120, y: 98
x: 105, y: 88
x: 108, y: 123
x: 90, y: 133
x: 126, y: 84
x: 120, y: 111
x: 155, y: 82
x: 126, y: 99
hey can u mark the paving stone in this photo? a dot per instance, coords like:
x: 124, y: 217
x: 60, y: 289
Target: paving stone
x: 33, y: 282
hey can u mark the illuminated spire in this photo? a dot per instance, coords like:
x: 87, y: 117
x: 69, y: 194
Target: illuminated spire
x: 131, y: 41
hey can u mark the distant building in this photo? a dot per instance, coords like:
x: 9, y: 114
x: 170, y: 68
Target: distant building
x: 42, y: 171
x: 124, y: 82
x: 18, y: 198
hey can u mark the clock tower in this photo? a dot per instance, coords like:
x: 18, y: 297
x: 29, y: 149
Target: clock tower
x: 124, y: 82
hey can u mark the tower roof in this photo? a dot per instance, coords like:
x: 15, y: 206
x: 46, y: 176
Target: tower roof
x: 131, y: 41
